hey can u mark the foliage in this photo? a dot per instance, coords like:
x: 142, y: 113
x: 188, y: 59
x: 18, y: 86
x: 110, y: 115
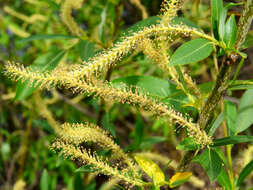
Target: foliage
x: 89, y: 90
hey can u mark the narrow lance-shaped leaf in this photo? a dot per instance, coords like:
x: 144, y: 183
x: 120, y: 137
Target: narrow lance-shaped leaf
x: 85, y: 49
x: 188, y: 144
x: 151, y: 168
x: 222, y: 19
x: 152, y: 85
x: 191, y: 52
x: 223, y: 180
x: 179, y: 178
x: 216, y: 6
x: 212, y: 163
x: 245, y: 173
x: 245, y: 112
x: 230, y: 31
x: 241, y: 85
x: 44, y: 180
x: 232, y: 140
x: 216, y: 124
x: 248, y: 43
x: 230, y: 115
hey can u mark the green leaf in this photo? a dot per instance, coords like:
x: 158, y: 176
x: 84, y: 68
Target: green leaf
x: 149, y: 141
x: 151, y: 85
x: 241, y: 85
x: 102, y: 24
x: 85, y: 49
x: 46, y: 37
x: 223, y: 17
x: 42, y: 64
x: 245, y: 111
x: 224, y: 180
x: 191, y: 52
x: 221, y: 155
x: 188, y: 144
x: 179, y: 178
x: 248, y: 40
x: 44, y: 180
x: 212, y: 163
x: 230, y: 115
x: 245, y: 172
x: 216, y: 6
x: 78, y: 182
x: 230, y: 31
x: 5, y: 151
x: 138, y: 134
x: 108, y: 125
x: 232, y: 140
x: 150, y: 168
x: 216, y: 124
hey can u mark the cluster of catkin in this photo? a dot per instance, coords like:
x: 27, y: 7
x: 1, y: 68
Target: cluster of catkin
x: 83, y: 78
x: 70, y: 137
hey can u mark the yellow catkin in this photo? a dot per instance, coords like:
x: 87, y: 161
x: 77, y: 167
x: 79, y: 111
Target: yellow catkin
x: 154, y: 54
x: 143, y: 10
x: 248, y: 155
x: 169, y: 9
x: 191, y: 84
x: 18, y: 31
x: 29, y: 19
x: 196, y: 182
x: 19, y: 185
x: 78, y: 133
x: 107, y: 92
x: 87, y: 158
x: 105, y: 60
x: 43, y: 110
x: 66, y: 17
x: 161, y: 57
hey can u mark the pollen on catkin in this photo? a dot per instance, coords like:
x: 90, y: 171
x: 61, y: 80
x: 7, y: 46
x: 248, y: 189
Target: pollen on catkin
x: 169, y: 9
x: 29, y: 19
x: 147, y: 46
x: 102, y: 165
x: 78, y: 133
x: 109, y: 93
x: 66, y: 17
x: 108, y: 58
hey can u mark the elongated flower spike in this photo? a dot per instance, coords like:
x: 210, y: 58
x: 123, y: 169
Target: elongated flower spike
x: 102, y: 165
x: 28, y: 19
x: 78, y: 133
x: 107, y: 59
x: 161, y: 57
x: 109, y: 93
x: 67, y: 19
x: 169, y: 9
x: 147, y: 47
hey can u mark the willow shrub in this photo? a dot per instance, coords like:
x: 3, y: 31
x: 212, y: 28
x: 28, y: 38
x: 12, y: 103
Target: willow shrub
x: 162, y: 98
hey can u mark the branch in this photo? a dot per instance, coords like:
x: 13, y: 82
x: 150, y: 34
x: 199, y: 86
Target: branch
x: 221, y: 84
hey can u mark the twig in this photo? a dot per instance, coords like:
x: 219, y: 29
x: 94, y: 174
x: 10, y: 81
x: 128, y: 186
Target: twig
x: 222, y: 80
